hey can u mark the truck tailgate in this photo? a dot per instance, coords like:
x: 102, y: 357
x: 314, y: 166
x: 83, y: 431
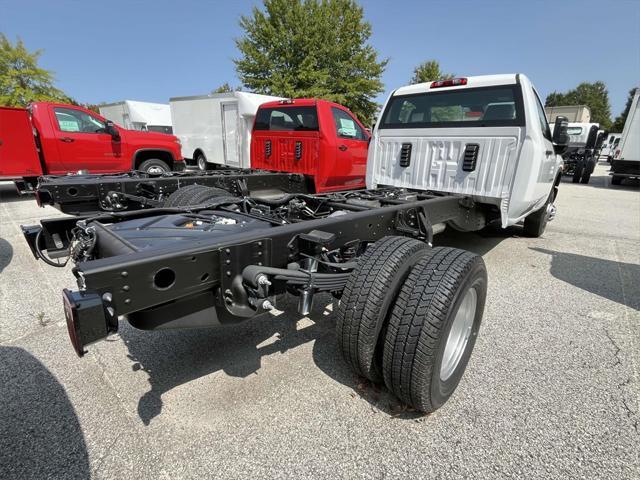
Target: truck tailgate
x: 436, y: 164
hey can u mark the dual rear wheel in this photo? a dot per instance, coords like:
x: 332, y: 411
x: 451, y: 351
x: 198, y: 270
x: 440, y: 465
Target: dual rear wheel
x: 409, y: 317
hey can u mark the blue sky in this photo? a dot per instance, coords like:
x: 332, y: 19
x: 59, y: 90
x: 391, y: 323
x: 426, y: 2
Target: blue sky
x: 153, y: 50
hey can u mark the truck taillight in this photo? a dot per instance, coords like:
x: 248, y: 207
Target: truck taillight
x: 86, y: 319
x: 454, y: 82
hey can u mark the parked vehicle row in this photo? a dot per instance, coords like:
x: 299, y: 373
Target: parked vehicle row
x: 56, y: 139
x: 461, y: 153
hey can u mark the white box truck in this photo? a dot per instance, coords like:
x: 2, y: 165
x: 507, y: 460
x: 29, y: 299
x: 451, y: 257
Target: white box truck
x: 216, y: 129
x: 575, y: 113
x: 135, y: 115
x: 626, y: 157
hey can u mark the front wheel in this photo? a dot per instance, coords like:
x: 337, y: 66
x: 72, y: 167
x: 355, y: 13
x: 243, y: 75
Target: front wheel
x: 154, y: 166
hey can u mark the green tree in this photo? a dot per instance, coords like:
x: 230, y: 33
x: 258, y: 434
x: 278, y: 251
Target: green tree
x: 594, y: 95
x: 311, y: 48
x: 22, y: 81
x: 225, y: 88
x: 429, y: 71
x: 618, y: 124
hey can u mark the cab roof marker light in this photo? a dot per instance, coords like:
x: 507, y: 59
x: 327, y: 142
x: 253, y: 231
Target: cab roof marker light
x: 454, y: 82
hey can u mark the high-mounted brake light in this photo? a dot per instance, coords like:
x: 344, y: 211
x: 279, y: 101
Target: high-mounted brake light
x: 288, y: 101
x: 454, y: 82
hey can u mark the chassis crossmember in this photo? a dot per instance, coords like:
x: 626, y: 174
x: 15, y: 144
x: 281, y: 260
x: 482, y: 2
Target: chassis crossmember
x: 82, y: 194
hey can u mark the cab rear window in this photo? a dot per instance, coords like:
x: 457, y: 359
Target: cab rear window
x: 469, y: 107
x: 287, y: 118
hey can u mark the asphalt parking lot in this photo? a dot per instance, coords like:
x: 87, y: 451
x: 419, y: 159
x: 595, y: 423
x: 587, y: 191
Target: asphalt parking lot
x: 551, y: 391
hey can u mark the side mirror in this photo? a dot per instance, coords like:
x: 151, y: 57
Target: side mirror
x: 111, y: 129
x: 560, y: 136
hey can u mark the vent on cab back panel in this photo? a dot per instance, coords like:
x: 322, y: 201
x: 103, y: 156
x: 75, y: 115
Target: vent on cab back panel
x: 405, y: 155
x: 267, y: 148
x: 470, y: 157
x: 298, y: 151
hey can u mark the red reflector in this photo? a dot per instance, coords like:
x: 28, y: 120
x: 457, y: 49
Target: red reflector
x: 71, y: 314
x: 473, y: 114
x: 454, y: 82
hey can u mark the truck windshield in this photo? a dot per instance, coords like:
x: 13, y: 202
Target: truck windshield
x: 287, y: 118
x: 469, y: 107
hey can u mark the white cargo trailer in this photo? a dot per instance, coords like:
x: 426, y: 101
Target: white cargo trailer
x: 135, y: 115
x: 626, y: 157
x: 216, y: 128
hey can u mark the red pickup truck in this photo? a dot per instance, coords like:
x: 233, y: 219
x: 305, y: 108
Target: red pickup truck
x: 50, y: 138
x: 317, y: 138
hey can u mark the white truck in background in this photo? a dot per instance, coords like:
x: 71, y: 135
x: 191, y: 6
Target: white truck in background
x: 581, y: 155
x: 135, y: 115
x: 626, y: 156
x: 216, y: 129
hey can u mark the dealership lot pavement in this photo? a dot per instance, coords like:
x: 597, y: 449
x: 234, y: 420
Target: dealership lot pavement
x: 552, y: 388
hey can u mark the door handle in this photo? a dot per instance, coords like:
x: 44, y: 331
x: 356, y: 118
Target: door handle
x: 66, y: 139
x: 342, y: 148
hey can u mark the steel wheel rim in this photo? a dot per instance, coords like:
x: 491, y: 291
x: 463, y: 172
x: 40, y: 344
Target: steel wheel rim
x: 459, y: 334
x: 155, y: 169
x: 201, y: 163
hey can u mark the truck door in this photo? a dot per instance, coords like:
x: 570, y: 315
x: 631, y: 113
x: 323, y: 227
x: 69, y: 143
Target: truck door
x: 230, y: 134
x: 83, y: 143
x: 352, y: 144
x: 548, y: 160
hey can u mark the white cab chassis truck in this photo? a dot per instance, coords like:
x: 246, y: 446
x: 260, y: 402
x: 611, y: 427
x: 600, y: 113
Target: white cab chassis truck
x: 216, y: 129
x: 626, y: 156
x: 462, y: 152
x: 582, y: 153
x: 486, y: 137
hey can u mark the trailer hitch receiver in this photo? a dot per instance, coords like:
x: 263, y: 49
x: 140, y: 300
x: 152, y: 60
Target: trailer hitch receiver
x: 86, y: 319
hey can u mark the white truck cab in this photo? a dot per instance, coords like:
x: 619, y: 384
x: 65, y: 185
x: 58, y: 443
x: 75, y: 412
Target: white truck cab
x: 486, y: 137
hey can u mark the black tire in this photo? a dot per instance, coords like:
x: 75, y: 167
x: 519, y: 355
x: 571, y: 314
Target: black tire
x: 616, y: 180
x: 577, y: 172
x: 194, y: 195
x: 588, y: 170
x: 154, y: 165
x: 176, y: 198
x: 201, y: 162
x: 420, y: 323
x: 367, y: 299
x: 536, y: 222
